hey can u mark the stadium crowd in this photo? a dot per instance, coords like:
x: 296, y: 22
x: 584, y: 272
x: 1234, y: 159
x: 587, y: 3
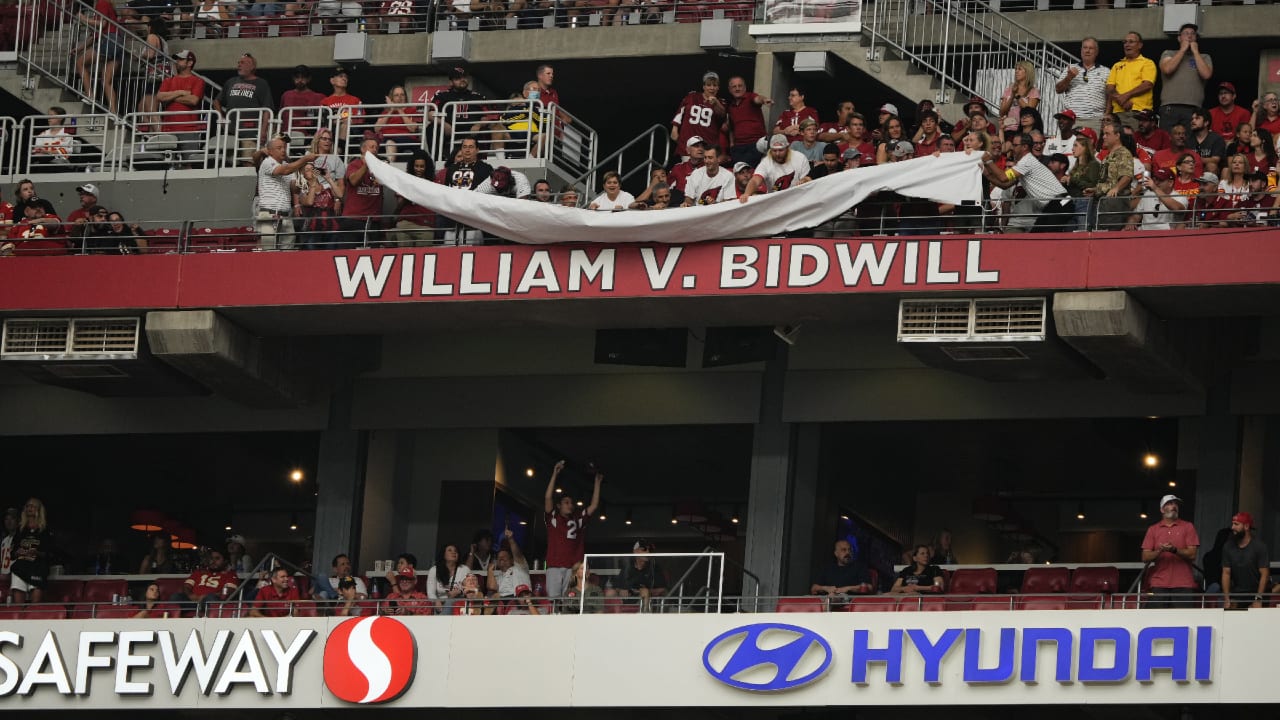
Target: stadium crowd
x: 1114, y: 158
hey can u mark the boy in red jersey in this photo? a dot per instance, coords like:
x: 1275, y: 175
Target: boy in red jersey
x: 566, y: 532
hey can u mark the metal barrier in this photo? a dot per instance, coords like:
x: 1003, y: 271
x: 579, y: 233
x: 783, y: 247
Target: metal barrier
x: 170, y: 141
x: 65, y: 143
x: 712, y: 591
x: 482, y: 121
x: 109, y: 67
x: 633, y: 161
x: 400, y: 128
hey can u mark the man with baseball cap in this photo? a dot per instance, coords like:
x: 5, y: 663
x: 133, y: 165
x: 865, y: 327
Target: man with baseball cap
x: 1063, y: 140
x: 641, y: 577
x: 1149, y: 135
x: 88, y: 198
x: 695, y: 155
x: 1209, y: 208
x: 701, y: 114
x: 1246, y: 565
x: 742, y: 173
x: 779, y: 170
x: 1169, y: 550
x: 180, y: 96
x: 1227, y: 116
x: 1158, y: 207
x: 298, y: 104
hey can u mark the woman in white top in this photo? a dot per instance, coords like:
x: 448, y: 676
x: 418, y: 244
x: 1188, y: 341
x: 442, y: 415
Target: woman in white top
x: 614, y: 198
x: 1233, y: 186
x: 55, y: 144
x: 445, y: 578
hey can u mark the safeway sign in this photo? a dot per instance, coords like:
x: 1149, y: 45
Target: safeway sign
x: 731, y: 660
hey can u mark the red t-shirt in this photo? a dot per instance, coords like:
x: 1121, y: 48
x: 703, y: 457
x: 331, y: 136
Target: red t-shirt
x: 1155, y: 142
x: 1168, y: 159
x: 208, y: 582
x: 1169, y: 570
x: 566, y: 541
x: 1272, y: 126
x: 273, y: 603
x: 679, y: 175
x: 363, y: 200
x: 791, y: 117
x: 106, y: 7
x: 747, y: 119
x: 1225, y: 123
x: 697, y: 116
x: 188, y: 121
x: 299, y: 118
x: 411, y: 603
x: 343, y: 105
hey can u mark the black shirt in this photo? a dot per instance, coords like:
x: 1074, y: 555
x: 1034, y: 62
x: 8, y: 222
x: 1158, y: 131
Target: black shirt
x: 1245, y: 564
x: 634, y: 578
x: 908, y: 576
x: 837, y: 575
x: 467, y: 176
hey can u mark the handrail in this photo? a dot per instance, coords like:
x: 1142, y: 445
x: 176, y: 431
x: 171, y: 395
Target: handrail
x: 117, y: 56
x: 972, y: 53
x: 709, y: 556
x: 656, y: 136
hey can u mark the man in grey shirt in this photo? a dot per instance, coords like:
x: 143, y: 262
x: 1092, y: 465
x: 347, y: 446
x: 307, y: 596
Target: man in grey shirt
x: 1183, y: 73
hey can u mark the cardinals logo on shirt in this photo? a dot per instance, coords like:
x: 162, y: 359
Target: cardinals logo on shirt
x: 783, y: 182
x: 709, y: 197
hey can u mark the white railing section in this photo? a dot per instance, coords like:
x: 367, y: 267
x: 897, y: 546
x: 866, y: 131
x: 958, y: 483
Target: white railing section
x: 64, y: 143
x: 633, y: 161
x: 969, y: 53
x: 572, y: 145
x: 168, y: 140
x: 400, y: 128
x: 103, y: 63
x: 713, y: 590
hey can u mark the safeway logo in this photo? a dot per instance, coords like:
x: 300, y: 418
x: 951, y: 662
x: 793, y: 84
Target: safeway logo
x: 369, y: 660
x: 767, y: 657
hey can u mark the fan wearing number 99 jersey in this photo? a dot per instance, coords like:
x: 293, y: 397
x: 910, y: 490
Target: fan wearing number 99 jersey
x: 701, y: 113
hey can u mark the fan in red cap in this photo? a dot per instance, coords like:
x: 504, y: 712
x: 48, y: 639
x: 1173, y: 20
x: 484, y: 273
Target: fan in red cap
x: 1159, y: 207
x: 1246, y: 574
x: 1227, y: 116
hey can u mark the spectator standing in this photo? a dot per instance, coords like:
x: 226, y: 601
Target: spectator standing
x: 317, y: 200
x: 362, y: 196
x: 546, y: 77
x: 1183, y: 73
x: 1021, y: 93
x: 102, y: 45
x: 844, y: 576
x: 1112, y: 192
x: 246, y: 100
x: 834, y: 131
x: 1170, y: 548
x: 1206, y: 143
x: 328, y: 164
x: 1246, y: 565
x: 746, y: 121
x: 566, y: 531
x: 788, y: 123
x: 180, y: 95
x: 710, y: 183
x: 398, y: 126
x: 480, y: 557
x: 1226, y: 116
x: 1064, y: 140
x: 340, y: 569
x: 920, y: 575
x: 505, y: 182
x: 277, y: 598
x: 32, y: 547
x: 779, y: 170
x: 1158, y: 207
x: 237, y: 558
x: 472, y: 117
x: 927, y: 135
x: 509, y: 571
x: 943, y: 552
x: 1085, y: 86
x: 155, y: 56
x: 1266, y: 114
x: 11, y: 516
x: 298, y: 104
x: 1039, y: 185
x: 701, y: 114
x: 344, y: 105
x: 1131, y: 82
x: 275, y: 196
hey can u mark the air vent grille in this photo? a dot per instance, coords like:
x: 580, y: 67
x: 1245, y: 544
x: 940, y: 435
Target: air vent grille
x: 44, y: 336
x: 70, y: 338
x: 1022, y: 316
x: 976, y: 320
x: 104, y: 335
x: 934, y: 317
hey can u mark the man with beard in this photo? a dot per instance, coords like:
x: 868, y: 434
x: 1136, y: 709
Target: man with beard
x: 1169, y: 548
x: 1246, y: 566
x: 779, y: 170
x: 1168, y: 158
x: 297, y: 106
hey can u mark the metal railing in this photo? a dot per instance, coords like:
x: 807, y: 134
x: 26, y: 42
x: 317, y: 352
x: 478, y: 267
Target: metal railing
x: 713, y: 590
x: 633, y: 161
x: 970, y: 53
x: 401, y: 128
x: 102, y: 62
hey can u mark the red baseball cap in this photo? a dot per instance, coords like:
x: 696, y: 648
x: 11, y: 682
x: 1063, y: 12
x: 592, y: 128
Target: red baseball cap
x: 407, y: 572
x: 1089, y: 133
x: 1224, y: 85
x: 1162, y: 174
x: 1243, y: 518
x: 1068, y: 113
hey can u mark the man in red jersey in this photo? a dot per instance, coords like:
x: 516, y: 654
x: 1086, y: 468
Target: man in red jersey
x: 701, y: 114
x: 298, y: 105
x: 208, y: 583
x: 696, y: 154
x: 1227, y: 116
x: 1170, y: 548
x: 834, y: 131
x: 1169, y: 157
x: 789, y: 121
x: 362, y: 200
x: 746, y: 121
x: 856, y: 137
x: 1149, y: 135
x: 566, y: 531
x: 277, y: 598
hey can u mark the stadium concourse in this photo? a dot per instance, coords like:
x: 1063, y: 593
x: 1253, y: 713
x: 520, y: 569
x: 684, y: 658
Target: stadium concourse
x: 578, y: 357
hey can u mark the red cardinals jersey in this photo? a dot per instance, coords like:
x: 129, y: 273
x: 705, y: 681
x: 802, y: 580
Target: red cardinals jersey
x: 697, y: 116
x: 205, y: 582
x: 566, y: 541
x: 791, y: 117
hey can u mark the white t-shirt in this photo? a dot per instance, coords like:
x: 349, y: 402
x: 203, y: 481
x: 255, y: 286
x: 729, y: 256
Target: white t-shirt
x: 704, y: 190
x: 603, y: 202
x: 780, y: 176
x: 514, y: 577
x: 1055, y: 144
x: 518, y: 179
x: 1155, y: 215
x: 436, y: 590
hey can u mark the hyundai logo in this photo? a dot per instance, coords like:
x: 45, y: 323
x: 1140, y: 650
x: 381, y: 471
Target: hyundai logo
x: 767, y: 657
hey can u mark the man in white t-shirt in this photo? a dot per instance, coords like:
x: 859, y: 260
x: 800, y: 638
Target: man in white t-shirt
x: 710, y: 183
x: 340, y: 568
x: 510, y: 571
x: 779, y: 170
x: 1038, y: 183
x: 1064, y: 140
x: 1158, y: 207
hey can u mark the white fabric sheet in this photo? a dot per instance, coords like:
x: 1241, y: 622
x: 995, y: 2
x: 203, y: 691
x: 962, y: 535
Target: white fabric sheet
x: 948, y: 178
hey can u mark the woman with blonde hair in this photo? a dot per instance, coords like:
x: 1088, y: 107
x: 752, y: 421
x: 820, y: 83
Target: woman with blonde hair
x: 32, y: 548
x: 1021, y: 93
x: 1233, y: 186
x: 581, y: 593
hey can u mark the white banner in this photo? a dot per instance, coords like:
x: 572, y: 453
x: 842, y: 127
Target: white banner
x: 883, y: 659
x: 948, y: 178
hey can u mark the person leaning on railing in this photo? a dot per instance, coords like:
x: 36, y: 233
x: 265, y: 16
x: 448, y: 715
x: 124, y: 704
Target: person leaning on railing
x: 920, y: 575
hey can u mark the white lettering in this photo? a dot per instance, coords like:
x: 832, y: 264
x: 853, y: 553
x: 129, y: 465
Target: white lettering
x: 737, y: 267
x: 539, y: 273
x: 406, y: 275
x: 504, y: 273
x: 933, y: 274
x: 910, y: 263
x: 466, y: 285
x: 285, y: 658
x: 126, y: 660
x: 246, y: 654
x: 8, y: 668
x: 796, y: 276
x: 581, y: 267
x: 972, y: 272
x: 49, y: 654
x: 660, y: 276
x: 772, y: 266
x: 192, y: 657
x: 373, y: 281
x: 877, y: 268
x: 86, y: 660
x: 429, y: 286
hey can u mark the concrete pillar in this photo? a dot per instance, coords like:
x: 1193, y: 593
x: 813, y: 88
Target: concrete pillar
x: 772, y: 82
x: 769, y: 497
x: 1253, y: 438
x: 340, y: 485
x: 813, y: 515
x: 1216, y: 476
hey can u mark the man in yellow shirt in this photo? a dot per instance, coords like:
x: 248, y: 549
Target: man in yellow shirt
x: 1131, y: 83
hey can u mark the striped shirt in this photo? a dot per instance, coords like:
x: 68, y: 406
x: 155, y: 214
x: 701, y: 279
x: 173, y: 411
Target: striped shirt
x: 1037, y: 179
x: 1087, y: 95
x: 273, y: 190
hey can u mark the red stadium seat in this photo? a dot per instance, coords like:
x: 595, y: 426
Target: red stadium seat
x: 924, y: 603
x: 64, y: 591
x: 33, y: 612
x: 306, y: 608
x: 973, y: 581
x: 1049, y: 579
x: 163, y: 240
x: 1000, y: 602
x: 872, y: 603
x: 169, y: 586
x: 303, y: 583
x: 1095, y: 580
x: 102, y: 591
x: 801, y: 604
x: 621, y: 606
x: 1043, y: 602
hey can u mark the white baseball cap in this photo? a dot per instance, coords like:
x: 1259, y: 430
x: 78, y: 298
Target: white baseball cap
x: 88, y: 189
x: 889, y: 108
x: 1168, y: 499
x: 695, y: 140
